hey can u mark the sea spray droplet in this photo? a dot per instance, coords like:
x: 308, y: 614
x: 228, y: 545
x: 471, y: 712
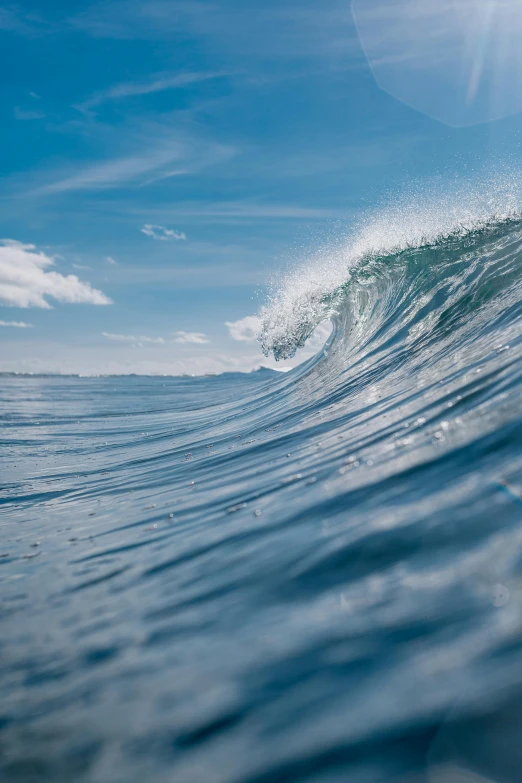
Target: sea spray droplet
x: 238, y: 507
x: 291, y: 479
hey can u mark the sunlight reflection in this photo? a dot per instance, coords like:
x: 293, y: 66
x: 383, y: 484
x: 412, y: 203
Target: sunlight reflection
x: 459, y: 61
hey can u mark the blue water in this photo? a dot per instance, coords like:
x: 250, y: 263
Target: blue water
x: 272, y: 578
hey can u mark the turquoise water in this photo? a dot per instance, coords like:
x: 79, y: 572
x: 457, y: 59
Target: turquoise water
x: 309, y: 576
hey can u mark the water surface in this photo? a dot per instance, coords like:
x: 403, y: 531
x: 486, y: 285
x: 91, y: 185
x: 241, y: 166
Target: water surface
x: 268, y: 578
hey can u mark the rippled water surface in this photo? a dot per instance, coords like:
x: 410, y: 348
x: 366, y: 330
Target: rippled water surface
x: 268, y: 578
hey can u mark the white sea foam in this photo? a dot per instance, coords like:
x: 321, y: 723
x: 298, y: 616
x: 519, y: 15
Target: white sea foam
x: 302, y: 298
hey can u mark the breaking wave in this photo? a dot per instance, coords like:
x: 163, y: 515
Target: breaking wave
x: 270, y: 577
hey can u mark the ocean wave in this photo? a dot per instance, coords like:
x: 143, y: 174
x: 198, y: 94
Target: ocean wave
x: 311, y: 575
x: 315, y: 289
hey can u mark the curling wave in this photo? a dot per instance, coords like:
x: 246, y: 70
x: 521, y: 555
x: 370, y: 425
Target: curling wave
x: 417, y: 225
x: 267, y: 577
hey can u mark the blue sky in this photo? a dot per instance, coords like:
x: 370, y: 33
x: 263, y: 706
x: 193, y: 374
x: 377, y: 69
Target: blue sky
x: 173, y: 155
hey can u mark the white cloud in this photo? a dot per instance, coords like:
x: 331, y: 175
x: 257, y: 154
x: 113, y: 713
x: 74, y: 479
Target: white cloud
x: 120, y: 354
x: 26, y: 279
x: 244, y: 330
x: 134, y: 339
x: 111, y: 261
x: 140, y: 340
x: 191, y: 337
x: 161, y: 233
x: 159, y: 84
x: 16, y: 324
x: 138, y: 153
x: 112, y: 172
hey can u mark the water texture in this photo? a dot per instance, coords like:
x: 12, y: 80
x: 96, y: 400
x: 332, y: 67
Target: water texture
x: 268, y: 578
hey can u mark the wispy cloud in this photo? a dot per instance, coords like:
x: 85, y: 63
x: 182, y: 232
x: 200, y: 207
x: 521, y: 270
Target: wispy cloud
x: 10, y: 20
x: 277, y: 31
x: 197, y: 338
x: 160, y: 83
x: 116, y: 171
x: 16, y: 324
x: 110, y: 260
x: 244, y: 330
x: 28, y: 280
x: 234, y: 211
x: 14, y: 20
x: 21, y: 114
x: 134, y: 339
x: 293, y: 31
x: 158, y: 152
x: 191, y: 337
x: 245, y: 269
x: 162, y: 233
x: 139, y: 18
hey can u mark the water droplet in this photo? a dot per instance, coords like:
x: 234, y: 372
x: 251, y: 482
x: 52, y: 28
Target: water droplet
x: 290, y: 479
x: 233, y: 509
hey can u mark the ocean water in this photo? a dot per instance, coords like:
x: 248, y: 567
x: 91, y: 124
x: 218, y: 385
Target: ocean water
x: 275, y: 578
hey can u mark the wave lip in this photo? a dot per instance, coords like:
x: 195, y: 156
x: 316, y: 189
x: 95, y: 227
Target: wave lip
x: 313, y: 290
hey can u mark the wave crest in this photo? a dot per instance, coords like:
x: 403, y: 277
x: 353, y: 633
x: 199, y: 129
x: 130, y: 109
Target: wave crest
x: 314, y: 290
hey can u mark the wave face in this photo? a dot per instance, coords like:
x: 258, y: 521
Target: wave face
x: 311, y: 576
